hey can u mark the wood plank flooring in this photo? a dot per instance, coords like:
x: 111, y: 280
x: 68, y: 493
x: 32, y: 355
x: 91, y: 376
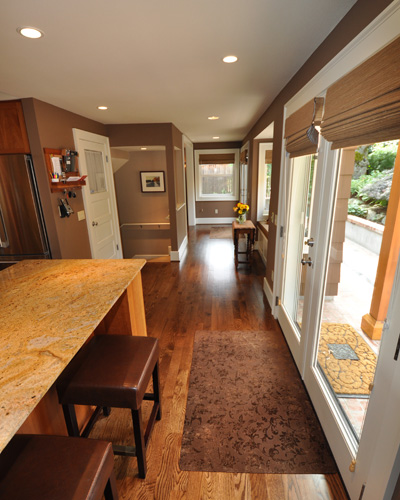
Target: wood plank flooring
x: 202, y: 292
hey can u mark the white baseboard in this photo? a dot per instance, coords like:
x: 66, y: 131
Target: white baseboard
x: 268, y: 293
x: 215, y: 220
x: 176, y: 255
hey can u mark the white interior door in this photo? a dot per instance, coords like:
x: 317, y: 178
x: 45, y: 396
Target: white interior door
x: 99, y: 195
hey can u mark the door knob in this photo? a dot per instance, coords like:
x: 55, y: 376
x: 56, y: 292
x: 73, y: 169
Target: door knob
x: 310, y: 242
x: 308, y: 262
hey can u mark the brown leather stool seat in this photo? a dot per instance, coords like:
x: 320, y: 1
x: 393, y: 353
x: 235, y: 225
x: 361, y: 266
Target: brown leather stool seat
x: 37, y: 467
x: 114, y: 371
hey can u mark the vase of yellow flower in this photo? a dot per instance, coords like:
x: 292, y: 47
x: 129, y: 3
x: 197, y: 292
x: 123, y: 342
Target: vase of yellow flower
x: 241, y: 209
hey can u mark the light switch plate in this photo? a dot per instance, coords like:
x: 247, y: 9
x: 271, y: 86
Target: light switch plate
x: 81, y: 215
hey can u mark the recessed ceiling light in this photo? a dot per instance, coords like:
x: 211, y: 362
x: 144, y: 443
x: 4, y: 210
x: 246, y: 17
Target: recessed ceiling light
x: 143, y: 149
x: 230, y: 59
x: 30, y: 32
x: 102, y: 107
x: 213, y: 117
x: 216, y: 137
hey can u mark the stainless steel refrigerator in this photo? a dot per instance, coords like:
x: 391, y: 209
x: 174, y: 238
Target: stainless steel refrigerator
x: 22, y: 230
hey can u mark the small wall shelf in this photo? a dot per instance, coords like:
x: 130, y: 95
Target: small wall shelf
x: 63, y: 182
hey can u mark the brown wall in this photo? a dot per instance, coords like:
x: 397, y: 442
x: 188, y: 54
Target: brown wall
x: 156, y: 134
x: 359, y: 16
x: 51, y: 127
x: 135, y: 206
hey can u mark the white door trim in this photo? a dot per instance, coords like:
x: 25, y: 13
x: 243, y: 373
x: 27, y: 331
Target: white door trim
x: 190, y: 194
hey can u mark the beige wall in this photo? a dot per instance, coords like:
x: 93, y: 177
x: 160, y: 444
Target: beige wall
x: 51, y: 127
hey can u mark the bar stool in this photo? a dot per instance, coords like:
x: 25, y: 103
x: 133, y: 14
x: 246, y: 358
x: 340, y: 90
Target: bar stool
x: 113, y: 371
x: 57, y: 468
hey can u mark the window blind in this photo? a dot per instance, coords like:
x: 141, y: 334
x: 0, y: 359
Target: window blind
x: 244, y: 157
x: 268, y: 156
x: 364, y: 106
x: 299, y: 140
x: 217, y: 159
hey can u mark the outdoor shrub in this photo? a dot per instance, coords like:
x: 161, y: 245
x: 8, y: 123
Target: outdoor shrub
x: 382, y: 156
x: 356, y: 209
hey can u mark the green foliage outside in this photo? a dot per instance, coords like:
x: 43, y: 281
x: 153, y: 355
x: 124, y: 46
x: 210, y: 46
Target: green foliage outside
x: 372, y: 180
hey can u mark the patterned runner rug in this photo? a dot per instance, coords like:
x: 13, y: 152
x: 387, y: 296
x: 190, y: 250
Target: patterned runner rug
x: 247, y: 409
x: 221, y: 232
x: 346, y: 359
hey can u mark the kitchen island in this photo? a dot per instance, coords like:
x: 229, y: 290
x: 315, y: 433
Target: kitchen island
x: 48, y: 310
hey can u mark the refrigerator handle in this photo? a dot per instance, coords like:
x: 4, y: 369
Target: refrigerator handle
x: 4, y: 243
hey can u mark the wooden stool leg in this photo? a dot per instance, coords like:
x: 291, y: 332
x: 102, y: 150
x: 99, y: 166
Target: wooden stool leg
x: 70, y: 420
x: 139, y: 442
x: 156, y: 390
x: 110, y: 492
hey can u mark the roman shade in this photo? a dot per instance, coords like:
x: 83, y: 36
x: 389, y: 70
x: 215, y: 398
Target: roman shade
x: 244, y: 156
x: 364, y: 106
x: 300, y: 134
x: 268, y: 156
x: 217, y: 159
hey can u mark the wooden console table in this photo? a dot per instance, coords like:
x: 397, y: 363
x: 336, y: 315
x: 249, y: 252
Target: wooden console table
x: 248, y: 229
x: 48, y: 310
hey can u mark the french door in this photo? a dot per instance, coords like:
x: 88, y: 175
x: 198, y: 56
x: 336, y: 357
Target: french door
x: 326, y: 276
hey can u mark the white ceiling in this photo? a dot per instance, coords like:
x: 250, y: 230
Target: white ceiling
x: 157, y: 61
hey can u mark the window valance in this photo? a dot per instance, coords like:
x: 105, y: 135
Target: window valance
x: 216, y: 159
x: 364, y: 106
x: 300, y: 133
x: 244, y: 156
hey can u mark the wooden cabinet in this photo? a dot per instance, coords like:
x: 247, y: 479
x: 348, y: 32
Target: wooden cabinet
x: 13, y: 135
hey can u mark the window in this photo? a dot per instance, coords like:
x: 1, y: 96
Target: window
x: 217, y: 173
x: 264, y: 180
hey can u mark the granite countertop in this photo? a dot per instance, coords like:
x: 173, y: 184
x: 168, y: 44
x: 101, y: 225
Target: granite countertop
x: 48, y: 309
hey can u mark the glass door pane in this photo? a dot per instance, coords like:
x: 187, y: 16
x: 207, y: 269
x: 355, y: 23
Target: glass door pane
x: 359, y: 277
x: 298, y: 230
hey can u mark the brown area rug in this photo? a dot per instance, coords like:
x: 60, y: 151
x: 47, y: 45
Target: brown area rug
x: 221, y: 233
x: 248, y: 411
x: 346, y: 359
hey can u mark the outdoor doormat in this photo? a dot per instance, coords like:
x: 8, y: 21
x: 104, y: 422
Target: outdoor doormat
x: 346, y: 359
x: 221, y: 233
x: 247, y: 409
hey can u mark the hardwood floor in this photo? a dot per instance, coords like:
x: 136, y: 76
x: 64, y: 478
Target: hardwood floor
x: 201, y: 292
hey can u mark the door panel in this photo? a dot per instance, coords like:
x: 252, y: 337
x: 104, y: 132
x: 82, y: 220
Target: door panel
x: 331, y: 296
x: 99, y: 195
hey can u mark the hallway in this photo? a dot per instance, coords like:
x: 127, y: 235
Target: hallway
x: 202, y: 292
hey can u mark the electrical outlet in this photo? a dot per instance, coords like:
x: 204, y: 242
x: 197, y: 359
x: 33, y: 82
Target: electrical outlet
x: 216, y: 210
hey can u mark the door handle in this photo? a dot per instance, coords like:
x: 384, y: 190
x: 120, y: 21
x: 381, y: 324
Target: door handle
x: 308, y: 262
x: 4, y: 242
x: 95, y: 223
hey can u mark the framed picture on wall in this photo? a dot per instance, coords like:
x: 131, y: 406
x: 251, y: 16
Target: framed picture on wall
x: 152, y: 182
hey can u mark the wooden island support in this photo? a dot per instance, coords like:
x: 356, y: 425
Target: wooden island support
x: 49, y: 309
